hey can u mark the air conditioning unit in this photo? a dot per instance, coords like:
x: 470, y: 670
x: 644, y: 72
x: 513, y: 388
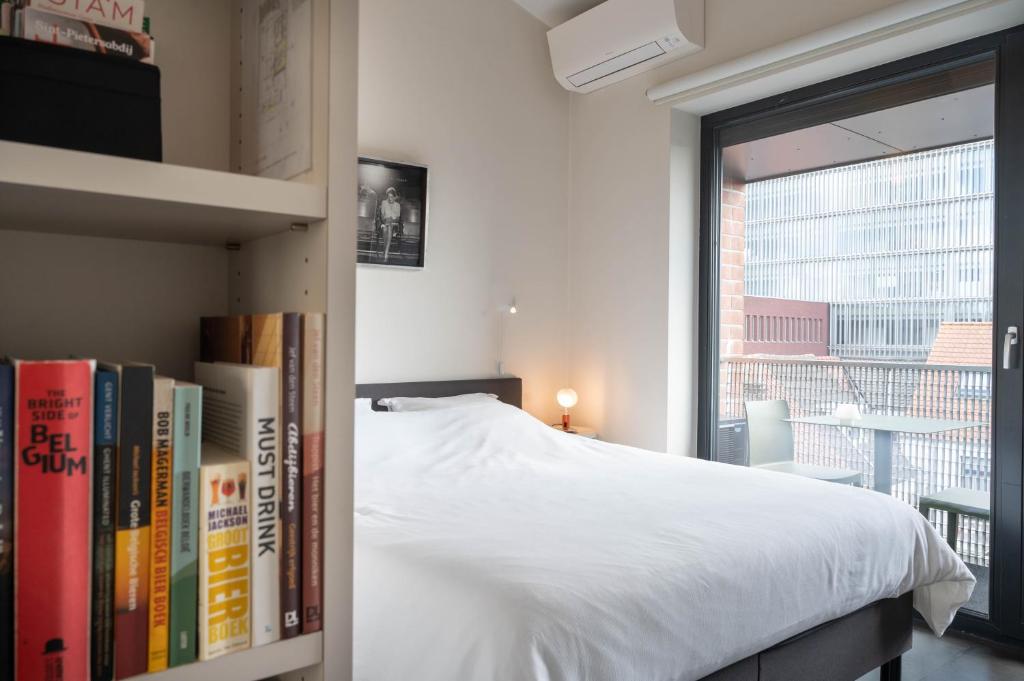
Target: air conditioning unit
x: 620, y: 38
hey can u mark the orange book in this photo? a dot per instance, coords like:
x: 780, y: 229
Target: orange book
x: 160, y: 541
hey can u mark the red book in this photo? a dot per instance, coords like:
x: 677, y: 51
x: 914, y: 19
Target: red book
x: 52, y: 574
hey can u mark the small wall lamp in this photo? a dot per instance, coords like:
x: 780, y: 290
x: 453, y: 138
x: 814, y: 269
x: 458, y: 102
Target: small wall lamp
x: 510, y: 309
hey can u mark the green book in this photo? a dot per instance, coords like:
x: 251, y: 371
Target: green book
x: 185, y: 524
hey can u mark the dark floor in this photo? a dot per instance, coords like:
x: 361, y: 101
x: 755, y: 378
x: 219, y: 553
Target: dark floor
x: 955, y: 658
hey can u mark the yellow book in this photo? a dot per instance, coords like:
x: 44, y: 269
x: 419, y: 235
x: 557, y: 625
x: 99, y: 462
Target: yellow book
x: 224, y: 571
x: 160, y: 518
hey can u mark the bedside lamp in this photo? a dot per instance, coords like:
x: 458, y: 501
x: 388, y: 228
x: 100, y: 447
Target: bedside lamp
x: 567, y: 399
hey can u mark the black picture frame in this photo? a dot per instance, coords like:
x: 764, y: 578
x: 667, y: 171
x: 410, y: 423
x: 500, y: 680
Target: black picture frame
x: 392, y: 214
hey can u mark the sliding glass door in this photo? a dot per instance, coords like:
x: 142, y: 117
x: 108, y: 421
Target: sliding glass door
x: 858, y: 251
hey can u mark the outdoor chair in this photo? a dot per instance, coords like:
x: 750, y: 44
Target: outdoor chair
x: 770, y: 443
x: 956, y: 502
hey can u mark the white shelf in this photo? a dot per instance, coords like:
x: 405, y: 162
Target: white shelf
x: 45, y: 189
x: 256, y: 663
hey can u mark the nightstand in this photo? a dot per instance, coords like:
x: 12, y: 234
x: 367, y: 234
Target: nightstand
x: 581, y: 431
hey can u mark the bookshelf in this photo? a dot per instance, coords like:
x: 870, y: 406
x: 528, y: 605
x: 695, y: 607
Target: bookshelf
x: 257, y: 663
x: 72, y: 192
x: 117, y: 258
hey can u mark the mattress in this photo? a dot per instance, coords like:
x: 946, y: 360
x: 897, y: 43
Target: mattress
x: 489, y: 546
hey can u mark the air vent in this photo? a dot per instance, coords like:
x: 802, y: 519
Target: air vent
x: 616, y: 64
x: 732, y: 442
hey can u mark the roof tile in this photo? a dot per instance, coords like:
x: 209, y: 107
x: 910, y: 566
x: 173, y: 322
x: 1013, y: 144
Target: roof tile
x: 962, y: 343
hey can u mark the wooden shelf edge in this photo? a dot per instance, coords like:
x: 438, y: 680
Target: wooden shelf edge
x: 249, y: 665
x: 54, y: 169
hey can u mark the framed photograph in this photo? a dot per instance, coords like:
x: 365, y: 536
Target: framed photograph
x: 392, y: 226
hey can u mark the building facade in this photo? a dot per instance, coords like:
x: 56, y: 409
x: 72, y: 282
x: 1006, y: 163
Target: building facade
x: 895, y: 246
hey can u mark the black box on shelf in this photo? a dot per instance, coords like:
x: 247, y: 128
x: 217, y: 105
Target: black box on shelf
x: 62, y: 97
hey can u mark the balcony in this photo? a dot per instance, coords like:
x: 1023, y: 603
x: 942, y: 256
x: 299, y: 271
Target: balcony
x: 921, y: 464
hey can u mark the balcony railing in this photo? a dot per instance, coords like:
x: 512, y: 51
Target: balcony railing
x: 922, y: 464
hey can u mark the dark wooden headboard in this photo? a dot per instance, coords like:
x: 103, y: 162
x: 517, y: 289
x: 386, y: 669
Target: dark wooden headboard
x: 509, y: 389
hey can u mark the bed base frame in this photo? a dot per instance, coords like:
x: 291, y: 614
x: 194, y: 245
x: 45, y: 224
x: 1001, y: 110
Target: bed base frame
x: 874, y: 637
x: 845, y: 649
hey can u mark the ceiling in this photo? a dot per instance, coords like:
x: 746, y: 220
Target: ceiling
x: 940, y: 121
x: 555, y: 12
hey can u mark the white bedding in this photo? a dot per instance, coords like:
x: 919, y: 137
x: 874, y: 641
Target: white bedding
x: 489, y: 546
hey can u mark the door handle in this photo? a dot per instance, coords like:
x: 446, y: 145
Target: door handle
x: 1010, y: 345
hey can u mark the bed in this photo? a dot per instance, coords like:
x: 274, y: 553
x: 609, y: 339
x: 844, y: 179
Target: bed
x: 490, y: 546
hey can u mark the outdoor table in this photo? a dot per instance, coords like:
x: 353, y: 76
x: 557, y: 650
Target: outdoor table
x: 884, y: 426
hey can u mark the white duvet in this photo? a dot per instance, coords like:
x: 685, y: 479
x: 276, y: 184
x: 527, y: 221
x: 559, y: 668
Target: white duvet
x: 489, y: 546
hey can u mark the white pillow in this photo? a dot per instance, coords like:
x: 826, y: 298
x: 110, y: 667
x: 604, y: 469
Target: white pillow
x: 428, y: 403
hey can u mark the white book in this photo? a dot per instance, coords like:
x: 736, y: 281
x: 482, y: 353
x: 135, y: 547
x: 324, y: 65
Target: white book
x: 241, y: 414
x: 123, y: 14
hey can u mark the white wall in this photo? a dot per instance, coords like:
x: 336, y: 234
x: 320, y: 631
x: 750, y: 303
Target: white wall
x: 684, y: 215
x: 632, y: 288
x: 465, y: 87
x: 619, y: 266
x: 583, y: 207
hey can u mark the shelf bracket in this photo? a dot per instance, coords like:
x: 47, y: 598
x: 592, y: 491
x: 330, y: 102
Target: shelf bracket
x: 299, y: 227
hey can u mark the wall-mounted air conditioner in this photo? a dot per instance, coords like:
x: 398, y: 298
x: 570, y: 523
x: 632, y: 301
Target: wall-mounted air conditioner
x: 620, y: 38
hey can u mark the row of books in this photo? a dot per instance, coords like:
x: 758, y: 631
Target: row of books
x: 112, y: 27
x: 147, y: 522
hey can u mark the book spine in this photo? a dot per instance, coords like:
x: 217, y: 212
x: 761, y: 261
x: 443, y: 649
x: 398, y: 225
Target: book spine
x: 104, y: 462
x: 6, y: 521
x: 225, y: 339
x: 131, y: 572
x: 6, y: 18
x: 124, y: 14
x: 267, y: 351
x: 291, y: 500
x: 51, y: 27
x: 312, y: 470
x: 53, y: 438
x: 266, y: 551
x: 160, y: 544
x: 184, y: 529
x: 265, y: 339
x: 224, y: 575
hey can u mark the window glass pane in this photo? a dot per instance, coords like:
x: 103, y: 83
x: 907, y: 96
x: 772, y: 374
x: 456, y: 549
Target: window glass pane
x: 857, y: 274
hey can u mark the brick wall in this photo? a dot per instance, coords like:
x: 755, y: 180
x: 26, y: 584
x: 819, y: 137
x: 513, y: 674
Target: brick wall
x: 734, y: 202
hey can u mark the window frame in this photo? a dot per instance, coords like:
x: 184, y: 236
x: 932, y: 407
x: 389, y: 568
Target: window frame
x: 912, y: 79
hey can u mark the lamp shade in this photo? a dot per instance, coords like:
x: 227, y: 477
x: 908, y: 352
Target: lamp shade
x: 567, y: 398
